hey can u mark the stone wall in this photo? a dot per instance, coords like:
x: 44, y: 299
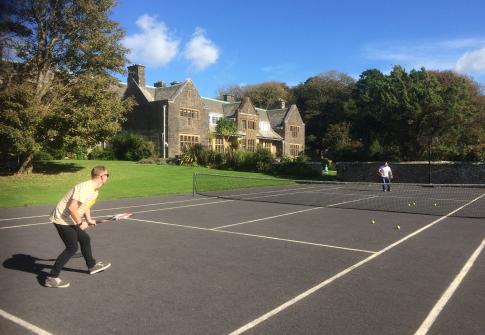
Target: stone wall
x: 415, y: 172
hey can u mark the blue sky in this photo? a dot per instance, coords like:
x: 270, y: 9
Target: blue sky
x: 242, y: 42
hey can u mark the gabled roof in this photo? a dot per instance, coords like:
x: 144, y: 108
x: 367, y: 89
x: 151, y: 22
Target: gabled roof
x: 169, y: 92
x: 277, y: 117
x: 270, y: 133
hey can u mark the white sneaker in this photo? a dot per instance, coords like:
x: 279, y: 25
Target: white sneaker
x: 56, y: 282
x: 99, y: 266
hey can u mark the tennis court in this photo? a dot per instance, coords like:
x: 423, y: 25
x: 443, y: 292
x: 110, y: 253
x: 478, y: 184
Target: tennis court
x: 261, y: 259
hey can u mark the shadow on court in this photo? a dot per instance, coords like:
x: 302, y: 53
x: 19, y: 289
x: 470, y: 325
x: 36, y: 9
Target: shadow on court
x: 29, y: 264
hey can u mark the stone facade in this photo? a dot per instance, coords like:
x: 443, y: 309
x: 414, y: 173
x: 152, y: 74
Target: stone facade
x: 190, y: 119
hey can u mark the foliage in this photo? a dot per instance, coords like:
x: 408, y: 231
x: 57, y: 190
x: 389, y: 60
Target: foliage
x: 295, y: 168
x: 402, y: 115
x: 102, y: 154
x: 226, y: 127
x: 191, y: 154
x: 323, y: 100
x: 265, y: 95
x: 57, y: 91
x: 132, y: 147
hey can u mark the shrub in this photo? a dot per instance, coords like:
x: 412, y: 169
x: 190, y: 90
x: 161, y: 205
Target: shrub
x: 295, y: 168
x: 102, y: 154
x: 132, y: 147
x: 263, y: 159
x: 42, y: 156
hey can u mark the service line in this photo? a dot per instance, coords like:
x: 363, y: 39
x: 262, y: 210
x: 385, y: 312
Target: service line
x: 324, y: 283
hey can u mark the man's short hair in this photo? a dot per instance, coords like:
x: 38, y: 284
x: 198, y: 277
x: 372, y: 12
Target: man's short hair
x: 98, y: 171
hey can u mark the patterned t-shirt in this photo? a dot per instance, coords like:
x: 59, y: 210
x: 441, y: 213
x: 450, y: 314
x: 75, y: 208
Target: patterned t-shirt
x: 85, y: 193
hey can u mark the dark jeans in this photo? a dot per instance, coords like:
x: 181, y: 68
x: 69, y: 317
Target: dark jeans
x: 71, y: 235
x: 386, y: 183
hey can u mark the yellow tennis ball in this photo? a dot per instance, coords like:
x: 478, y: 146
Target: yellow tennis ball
x: 372, y: 221
x: 398, y: 227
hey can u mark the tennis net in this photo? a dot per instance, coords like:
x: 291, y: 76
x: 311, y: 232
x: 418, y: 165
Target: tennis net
x: 461, y: 200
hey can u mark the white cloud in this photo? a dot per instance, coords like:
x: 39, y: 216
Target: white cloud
x: 466, y: 55
x: 201, y: 51
x: 154, y: 46
x: 472, y: 62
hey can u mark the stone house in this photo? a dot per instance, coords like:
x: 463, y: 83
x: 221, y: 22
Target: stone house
x: 176, y: 115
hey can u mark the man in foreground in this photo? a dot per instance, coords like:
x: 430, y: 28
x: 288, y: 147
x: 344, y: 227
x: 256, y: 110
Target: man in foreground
x: 71, y: 218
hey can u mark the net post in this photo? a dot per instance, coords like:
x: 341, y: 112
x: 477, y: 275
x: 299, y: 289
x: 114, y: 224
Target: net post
x: 194, y: 184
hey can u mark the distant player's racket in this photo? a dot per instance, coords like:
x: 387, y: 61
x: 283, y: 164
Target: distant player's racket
x: 116, y: 217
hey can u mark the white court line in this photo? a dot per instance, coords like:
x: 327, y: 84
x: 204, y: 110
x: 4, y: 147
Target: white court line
x: 266, y: 218
x: 251, y: 235
x: 150, y: 210
x: 108, y: 209
x: 315, y: 288
x: 25, y: 225
x: 25, y: 324
x: 436, y: 310
x: 346, y: 202
x: 295, y: 241
x: 286, y: 214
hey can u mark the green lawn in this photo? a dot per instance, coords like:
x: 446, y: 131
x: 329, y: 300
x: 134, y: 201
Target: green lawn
x: 51, y: 180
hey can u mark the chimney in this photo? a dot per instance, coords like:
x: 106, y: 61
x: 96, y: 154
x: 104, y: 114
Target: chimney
x: 229, y: 98
x: 281, y: 104
x: 137, y: 73
x: 160, y: 83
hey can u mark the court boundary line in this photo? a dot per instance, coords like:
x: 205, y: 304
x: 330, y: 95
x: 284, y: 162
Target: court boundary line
x: 150, y: 210
x: 33, y: 328
x: 152, y: 204
x: 448, y: 293
x: 324, y: 283
x: 108, y: 209
x: 252, y: 235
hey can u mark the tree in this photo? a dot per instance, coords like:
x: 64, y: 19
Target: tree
x: 236, y: 91
x: 323, y: 100
x: 404, y: 116
x: 266, y: 95
x: 66, y: 52
x: 227, y: 128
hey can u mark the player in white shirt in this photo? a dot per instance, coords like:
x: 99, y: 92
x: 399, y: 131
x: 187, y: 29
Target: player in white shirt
x: 386, y: 174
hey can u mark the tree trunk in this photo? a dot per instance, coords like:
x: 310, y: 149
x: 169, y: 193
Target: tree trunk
x: 27, y: 164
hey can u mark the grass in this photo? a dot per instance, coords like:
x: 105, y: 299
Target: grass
x: 51, y: 180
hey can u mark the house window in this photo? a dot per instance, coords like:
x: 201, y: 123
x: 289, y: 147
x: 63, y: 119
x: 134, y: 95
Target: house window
x: 214, y: 119
x: 251, y: 145
x: 267, y: 145
x: 244, y: 123
x: 189, y: 113
x: 294, y: 149
x: 294, y: 131
x: 219, y: 144
x: 251, y: 124
x: 264, y: 126
x: 188, y: 141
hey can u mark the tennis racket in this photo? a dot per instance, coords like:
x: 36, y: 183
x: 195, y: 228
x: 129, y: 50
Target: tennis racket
x: 116, y: 217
